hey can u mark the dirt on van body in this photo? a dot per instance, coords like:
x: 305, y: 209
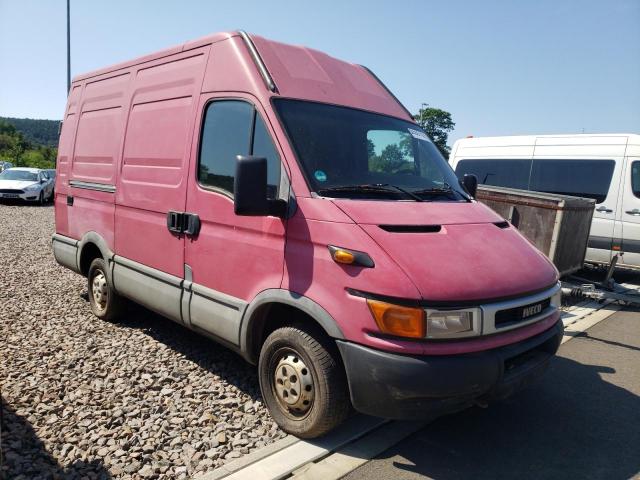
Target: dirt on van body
x: 81, y: 397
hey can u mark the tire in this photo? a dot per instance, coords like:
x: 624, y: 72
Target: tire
x: 41, y: 199
x: 105, y: 303
x: 310, y: 361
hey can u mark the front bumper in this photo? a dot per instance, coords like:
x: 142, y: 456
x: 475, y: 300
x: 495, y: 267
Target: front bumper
x: 408, y: 387
x: 27, y: 196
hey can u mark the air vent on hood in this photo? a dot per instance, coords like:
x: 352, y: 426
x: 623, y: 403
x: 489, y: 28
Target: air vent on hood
x: 411, y: 228
x: 502, y: 224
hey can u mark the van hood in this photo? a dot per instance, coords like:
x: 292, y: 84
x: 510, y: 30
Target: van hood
x: 454, y: 252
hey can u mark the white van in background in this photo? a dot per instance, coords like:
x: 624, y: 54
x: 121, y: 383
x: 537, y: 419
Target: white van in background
x: 603, y: 167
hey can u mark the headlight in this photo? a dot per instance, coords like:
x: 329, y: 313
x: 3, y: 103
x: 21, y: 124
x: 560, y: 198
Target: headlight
x: 33, y: 187
x: 453, y: 323
x: 416, y: 322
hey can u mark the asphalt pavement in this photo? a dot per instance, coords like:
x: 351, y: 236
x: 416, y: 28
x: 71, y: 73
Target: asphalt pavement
x: 581, y: 421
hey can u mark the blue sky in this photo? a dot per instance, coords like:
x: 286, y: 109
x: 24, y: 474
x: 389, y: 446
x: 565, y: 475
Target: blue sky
x: 500, y: 67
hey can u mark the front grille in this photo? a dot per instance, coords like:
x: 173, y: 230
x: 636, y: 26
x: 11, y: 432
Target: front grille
x: 517, y: 314
x: 11, y: 190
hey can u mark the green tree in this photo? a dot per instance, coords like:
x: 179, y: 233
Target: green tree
x: 438, y: 124
x: 15, y: 148
x: 36, y: 159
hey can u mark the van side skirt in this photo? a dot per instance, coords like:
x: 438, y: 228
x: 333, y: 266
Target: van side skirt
x: 223, y: 318
x: 156, y: 290
x: 65, y: 251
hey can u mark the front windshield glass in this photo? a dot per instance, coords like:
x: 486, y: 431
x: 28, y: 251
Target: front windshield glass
x: 19, y: 175
x: 351, y: 153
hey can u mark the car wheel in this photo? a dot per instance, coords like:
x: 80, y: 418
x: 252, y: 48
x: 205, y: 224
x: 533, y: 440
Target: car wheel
x: 41, y: 199
x: 105, y: 303
x: 303, y: 381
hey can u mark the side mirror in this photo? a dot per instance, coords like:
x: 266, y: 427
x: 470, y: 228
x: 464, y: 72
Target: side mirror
x: 43, y: 180
x: 470, y: 184
x: 250, y: 189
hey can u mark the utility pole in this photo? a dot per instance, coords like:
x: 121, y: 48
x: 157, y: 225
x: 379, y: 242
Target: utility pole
x: 68, y: 47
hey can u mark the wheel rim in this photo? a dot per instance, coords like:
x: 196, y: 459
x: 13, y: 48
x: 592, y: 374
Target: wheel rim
x: 99, y: 290
x: 293, y: 384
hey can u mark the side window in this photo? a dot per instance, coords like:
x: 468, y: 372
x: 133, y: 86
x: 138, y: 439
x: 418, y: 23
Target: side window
x: 227, y: 132
x: 580, y: 178
x: 635, y: 178
x: 500, y: 173
x: 263, y: 147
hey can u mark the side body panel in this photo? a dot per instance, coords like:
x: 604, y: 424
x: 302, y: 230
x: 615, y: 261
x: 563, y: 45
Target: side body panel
x: 91, y: 176
x: 155, y: 159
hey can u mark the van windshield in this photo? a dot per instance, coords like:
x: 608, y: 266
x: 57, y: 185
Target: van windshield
x: 350, y: 153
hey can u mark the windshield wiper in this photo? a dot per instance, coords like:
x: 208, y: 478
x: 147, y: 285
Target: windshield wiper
x: 371, y: 187
x: 444, y: 190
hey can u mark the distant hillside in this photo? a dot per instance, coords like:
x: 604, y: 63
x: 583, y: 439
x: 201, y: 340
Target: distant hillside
x: 37, y: 132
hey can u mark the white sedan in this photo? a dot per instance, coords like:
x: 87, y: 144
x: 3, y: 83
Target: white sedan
x: 29, y: 184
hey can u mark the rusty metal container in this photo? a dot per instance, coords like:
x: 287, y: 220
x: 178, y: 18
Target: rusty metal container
x: 558, y: 225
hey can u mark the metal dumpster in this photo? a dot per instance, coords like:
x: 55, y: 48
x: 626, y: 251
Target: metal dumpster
x: 558, y: 225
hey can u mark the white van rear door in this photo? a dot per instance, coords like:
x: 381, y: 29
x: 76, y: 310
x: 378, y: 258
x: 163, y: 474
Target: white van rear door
x: 630, y: 213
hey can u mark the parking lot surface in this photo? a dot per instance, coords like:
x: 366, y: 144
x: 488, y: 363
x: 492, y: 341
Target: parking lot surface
x: 84, y: 398
x: 581, y: 421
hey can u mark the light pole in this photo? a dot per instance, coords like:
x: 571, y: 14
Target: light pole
x: 68, y: 47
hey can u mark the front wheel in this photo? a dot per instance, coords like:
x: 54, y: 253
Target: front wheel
x: 303, y: 381
x: 41, y: 200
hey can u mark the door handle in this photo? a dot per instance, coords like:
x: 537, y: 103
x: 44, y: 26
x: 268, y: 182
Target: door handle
x: 634, y: 212
x: 174, y: 221
x: 604, y: 209
x: 181, y: 222
x: 191, y: 225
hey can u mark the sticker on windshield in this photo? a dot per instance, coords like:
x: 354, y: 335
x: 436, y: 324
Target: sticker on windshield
x: 419, y: 135
x: 320, y: 176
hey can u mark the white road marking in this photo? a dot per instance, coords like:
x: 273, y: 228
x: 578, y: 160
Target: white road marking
x: 338, y: 464
x: 282, y: 462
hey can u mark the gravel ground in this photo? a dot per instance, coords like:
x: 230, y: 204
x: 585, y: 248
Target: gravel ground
x: 84, y: 398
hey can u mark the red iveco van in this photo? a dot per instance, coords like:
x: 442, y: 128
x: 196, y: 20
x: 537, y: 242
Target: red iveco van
x: 285, y: 204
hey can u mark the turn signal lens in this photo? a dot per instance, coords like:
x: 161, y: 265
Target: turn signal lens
x: 398, y: 320
x: 342, y: 256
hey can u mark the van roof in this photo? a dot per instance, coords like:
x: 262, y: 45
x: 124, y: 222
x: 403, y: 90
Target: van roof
x: 614, y: 138
x: 206, y: 40
x: 297, y: 72
x: 524, y: 146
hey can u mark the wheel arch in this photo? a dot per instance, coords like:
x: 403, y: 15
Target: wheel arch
x: 265, y: 312
x: 92, y: 246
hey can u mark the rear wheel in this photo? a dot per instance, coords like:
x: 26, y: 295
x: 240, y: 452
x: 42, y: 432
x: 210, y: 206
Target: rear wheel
x: 303, y: 381
x: 105, y: 303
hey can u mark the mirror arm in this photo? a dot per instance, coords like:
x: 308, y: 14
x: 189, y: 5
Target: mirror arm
x: 278, y: 208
